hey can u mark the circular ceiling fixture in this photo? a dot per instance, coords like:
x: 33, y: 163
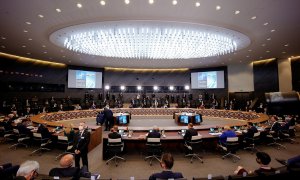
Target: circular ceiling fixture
x: 149, y: 39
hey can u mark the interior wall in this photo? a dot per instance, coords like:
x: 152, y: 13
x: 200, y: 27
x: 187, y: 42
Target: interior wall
x: 240, y: 78
x: 285, y: 75
x: 295, y: 66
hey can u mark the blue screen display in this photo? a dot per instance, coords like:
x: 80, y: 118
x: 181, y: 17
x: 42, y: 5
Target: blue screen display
x: 198, y: 118
x: 123, y: 119
x: 184, y: 119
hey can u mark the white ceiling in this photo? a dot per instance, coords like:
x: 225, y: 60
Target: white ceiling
x: 283, y: 16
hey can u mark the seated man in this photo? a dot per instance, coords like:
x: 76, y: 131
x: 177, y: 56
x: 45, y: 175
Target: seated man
x: 114, y: 133
x: 66, y: 169
x: 190, y: 132
x: 250, y: 132
x: 154, y: 133
x: 167, y: 162
x: 8, y: 171
x: 28, y: 170
x: 263, y: 159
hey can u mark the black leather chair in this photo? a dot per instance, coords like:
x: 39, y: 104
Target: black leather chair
x: 154, y: 149
x: 192, y: 145
x: 44, y: 143
x: 64, y: 141
x: 230, y: 147
x: 253, y: 142
x: 115, y: 147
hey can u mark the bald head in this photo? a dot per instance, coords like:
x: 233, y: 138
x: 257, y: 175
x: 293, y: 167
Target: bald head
x: 66, y: 161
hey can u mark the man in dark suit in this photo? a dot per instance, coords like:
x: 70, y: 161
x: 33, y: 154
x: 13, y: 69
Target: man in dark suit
x: 154, y: 133
x: 167, y: 162
x: 109, y: 119
x: 190, y: 132
x: 114, y: 133
x: 66, y: 169
x: 248, y: 135
x: 81, y: 142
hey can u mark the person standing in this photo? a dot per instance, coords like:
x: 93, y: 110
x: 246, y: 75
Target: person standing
x: 109, y: 119
x: 81, y: 142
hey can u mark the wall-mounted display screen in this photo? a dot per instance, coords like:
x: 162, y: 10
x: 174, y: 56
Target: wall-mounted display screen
x: 84, y: 79
x: 207, y: 80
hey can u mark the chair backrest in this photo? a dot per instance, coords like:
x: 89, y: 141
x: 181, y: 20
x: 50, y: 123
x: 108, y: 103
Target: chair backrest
x: 153, y: 140
x: 196, y: 138
x: 232, y: 143
x: 62, y: 138
x: 37, y: 135
x: 114, y: 141
x: 257, y: 134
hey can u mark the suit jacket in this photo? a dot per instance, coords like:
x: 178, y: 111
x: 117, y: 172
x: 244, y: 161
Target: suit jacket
x: 250, y: 132
x: 189, y: 133
x: 66, y: 172
x: 114, y: 135
x: 276, y: 127
x: 153, y: 134
x: 166, y: 175
x: 226, y: 134
x: 81, y: 141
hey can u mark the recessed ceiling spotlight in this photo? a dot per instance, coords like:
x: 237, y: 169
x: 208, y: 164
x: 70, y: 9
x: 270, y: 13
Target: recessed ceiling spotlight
x: 253, y: 17
x: 151, y: 1
x: 3, y: 46
x: 45, y: 52
x: 28, y: 53
x: 29, y: 39
x: 23, y: 46
x: 43, y: 46
x: 268, y: 51
x: 58, y: 10
x: 250, y: 50
x: 218, y: 7
x: 70, y: 61
x: 62, y: 50
x: 269, y: 39
x: 263, y: 45
x: 28, y: 22
x: 248, y: 56
x: 127, y: 1
x: 283, y: 52
x: 63, y: 56
x: 260, y: 57
x: 265, y: 24
x: 3, y: 38
x: 237, y: 12
x: 273, y: 30
x: 197, y: 4
x: 102, y: 3
x: 79, y: 5
x: 286, y: 45
x: 174, y: 2
x: 25, y: 31
x: 41, y: 16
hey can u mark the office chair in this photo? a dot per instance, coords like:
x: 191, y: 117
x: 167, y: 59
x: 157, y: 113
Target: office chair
x: 63, y: 140
x: 253, y: 141
x: 274, y: 137
x: 191, y: 145
x: 115, y: 146
x: 210, y: 177
x: 289, y: 134
x: 21, y: 139
x: 44, y: 142
x: 231, y: 145
x: 154, y: 149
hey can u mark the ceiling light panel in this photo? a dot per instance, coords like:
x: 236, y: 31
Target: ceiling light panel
x: 149, y: 39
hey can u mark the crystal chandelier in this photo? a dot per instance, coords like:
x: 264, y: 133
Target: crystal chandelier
x: 149, y: 39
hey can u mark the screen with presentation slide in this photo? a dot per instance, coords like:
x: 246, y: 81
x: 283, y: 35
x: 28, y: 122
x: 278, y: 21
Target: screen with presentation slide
x: 184, y: 119
x: 198, y: 119
x: 122, y: 119
x: 84, y: 79
x: 207, y: 80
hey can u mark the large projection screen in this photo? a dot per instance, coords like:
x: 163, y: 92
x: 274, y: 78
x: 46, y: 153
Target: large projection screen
x: 84, y: 79
x: 207, y: 80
